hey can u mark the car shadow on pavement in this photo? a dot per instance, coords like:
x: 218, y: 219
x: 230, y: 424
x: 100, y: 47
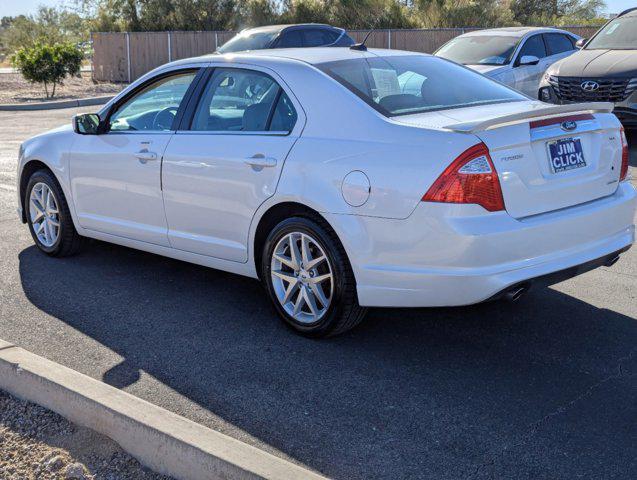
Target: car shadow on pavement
x: 544, y: 388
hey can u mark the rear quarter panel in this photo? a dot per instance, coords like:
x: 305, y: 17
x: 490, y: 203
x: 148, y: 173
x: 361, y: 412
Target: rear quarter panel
x: 343, y: 134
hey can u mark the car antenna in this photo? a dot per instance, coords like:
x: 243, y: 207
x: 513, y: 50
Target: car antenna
x: 361, y: 46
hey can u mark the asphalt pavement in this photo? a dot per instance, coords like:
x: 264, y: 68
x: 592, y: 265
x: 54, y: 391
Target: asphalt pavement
x: 542, y: 389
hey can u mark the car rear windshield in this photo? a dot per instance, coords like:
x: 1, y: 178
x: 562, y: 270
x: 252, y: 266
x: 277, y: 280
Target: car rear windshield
x: 401, y: 85
x: 620, y: 34
x: 248, y: 41
x: 480, y: 49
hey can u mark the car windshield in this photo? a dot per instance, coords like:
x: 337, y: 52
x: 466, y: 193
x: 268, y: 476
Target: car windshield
x: 620, y: 34
x: 400, y: 85
x: 479, y: 49
x: 248, y: 41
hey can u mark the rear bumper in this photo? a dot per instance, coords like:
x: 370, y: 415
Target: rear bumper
x: 448, y: 255
x: 561, y: 275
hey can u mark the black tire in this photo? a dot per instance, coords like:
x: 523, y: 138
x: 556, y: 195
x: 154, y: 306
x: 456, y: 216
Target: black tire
x: 344, y: 312
x: 69, y: 241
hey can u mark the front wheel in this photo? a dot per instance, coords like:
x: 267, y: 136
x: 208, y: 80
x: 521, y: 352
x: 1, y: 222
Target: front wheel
x: 49, y: 218
x: 309, y: 279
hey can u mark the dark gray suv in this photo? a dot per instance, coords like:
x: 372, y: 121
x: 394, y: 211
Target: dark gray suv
x: 604, y: 70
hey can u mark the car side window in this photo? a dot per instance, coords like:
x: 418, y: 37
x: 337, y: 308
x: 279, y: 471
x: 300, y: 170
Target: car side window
x: 558, y: 43
x: 284, y: 117
x: 154, y: 107
x: 343, y: 40
x: 316, y: 37
x: 238, y: 100
x: 291, y: 39
x: 533, y: 46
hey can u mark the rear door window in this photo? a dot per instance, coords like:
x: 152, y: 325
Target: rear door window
x: 558, y: 43
x: 290, y: 39
x: 284, y: 117
x: 242, y: 100
x: 316, y: 37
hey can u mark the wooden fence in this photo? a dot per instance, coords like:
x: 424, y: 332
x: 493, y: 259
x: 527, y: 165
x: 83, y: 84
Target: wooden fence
x: 125, y: 56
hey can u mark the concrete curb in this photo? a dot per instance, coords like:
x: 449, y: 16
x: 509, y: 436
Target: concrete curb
x: 80, y: 102
x: 159, y: 439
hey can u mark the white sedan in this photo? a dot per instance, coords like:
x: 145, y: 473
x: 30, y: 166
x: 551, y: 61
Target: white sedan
x: 314, y: 171
x: 515, y: 56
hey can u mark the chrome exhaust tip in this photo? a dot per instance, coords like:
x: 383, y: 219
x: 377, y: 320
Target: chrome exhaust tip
x: 515, y: 293
x: 612, y: 261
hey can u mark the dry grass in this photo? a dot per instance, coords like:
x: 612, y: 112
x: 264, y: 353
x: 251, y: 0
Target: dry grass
x: 15, y: 89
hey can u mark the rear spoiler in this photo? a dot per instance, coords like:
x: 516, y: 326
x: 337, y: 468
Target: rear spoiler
x: 538, y: 111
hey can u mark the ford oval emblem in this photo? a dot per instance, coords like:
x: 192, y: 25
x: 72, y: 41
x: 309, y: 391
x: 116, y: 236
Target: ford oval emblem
x: 569, y: 125
x: 589, y: 86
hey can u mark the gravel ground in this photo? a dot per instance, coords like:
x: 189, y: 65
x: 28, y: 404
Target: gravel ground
x: 15, y: 89
x: 36, y: 443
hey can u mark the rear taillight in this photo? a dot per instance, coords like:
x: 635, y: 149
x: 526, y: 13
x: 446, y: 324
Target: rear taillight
x: 471, y: 178
x: 623, y: 172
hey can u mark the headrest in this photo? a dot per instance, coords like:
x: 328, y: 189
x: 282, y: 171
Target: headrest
x: 255, y: 117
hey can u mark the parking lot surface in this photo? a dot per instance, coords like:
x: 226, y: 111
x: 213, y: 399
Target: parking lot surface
x: 542, y: 389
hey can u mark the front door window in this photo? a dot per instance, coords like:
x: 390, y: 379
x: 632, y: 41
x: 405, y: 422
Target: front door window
x: 153, y: 108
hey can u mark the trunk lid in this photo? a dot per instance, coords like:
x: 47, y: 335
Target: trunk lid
x: 582, y: 165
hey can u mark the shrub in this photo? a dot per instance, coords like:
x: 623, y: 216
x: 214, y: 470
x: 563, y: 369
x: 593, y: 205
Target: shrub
x: 48, y: 64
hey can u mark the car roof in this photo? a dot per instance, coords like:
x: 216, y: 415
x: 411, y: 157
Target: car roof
x: 513, y: 31
x: 281, y: 27
x: 312, y: 56
x: 631, y: 12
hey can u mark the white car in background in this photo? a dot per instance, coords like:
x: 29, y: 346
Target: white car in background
x: 314, y: 171
x: 515, y: 56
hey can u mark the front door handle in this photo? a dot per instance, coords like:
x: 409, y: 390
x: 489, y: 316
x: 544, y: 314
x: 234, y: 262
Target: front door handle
x: 259, y: 161
x: 144, y: 156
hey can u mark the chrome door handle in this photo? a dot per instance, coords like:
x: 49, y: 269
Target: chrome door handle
x: 259, y: 161
x: 145, y: 156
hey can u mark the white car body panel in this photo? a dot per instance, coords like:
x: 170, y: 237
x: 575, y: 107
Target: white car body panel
x: 524, y: 78
x: 451, y: 255
x: 207, y: 176
x: 404, y: 252
x: 113, y: 191
x: 216, y: 184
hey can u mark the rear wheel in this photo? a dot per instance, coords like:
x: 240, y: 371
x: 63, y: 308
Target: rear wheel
x: 48, y: 216
x: 309, y: 279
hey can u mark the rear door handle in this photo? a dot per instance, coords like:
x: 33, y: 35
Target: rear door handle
x: 144, y: 156
x: 259, y: 161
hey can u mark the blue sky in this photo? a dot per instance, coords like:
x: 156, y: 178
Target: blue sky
x: 16, y: 7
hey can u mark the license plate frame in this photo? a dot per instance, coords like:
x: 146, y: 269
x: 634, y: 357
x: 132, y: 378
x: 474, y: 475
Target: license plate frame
x: 569, y: 157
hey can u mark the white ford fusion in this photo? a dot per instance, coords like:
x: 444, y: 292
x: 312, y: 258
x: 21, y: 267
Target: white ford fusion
x: 319, y: 172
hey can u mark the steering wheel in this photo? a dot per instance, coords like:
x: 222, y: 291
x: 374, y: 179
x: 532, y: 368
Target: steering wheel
x: 164, y: 118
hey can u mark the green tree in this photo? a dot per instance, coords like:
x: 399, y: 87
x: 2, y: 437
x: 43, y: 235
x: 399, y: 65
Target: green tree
x: 557, y: 12
x: 48, y: 25
x: 48, y: 64
x: 463, y: 13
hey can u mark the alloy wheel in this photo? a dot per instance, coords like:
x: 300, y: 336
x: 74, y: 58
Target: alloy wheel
x: 302, y: 277
x: 44, y: 214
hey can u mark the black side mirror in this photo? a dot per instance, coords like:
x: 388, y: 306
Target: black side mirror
x: 86, y: 124
x: 581, y: 42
